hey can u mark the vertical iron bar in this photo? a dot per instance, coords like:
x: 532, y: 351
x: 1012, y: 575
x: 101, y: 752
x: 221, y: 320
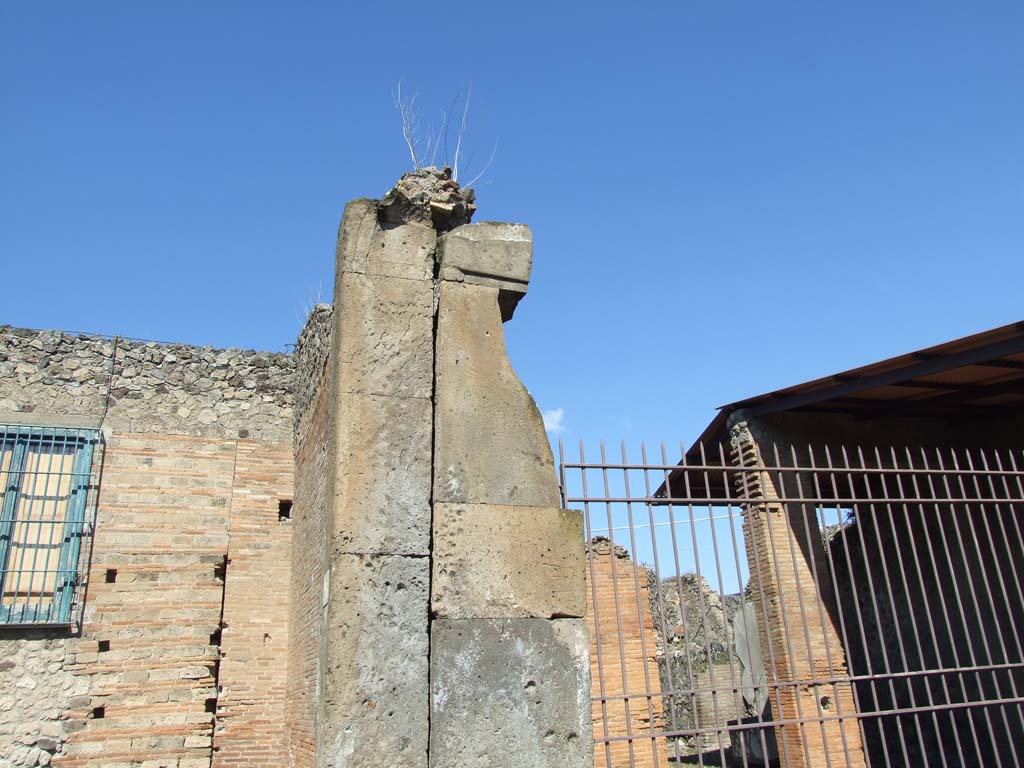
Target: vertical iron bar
x: 942, y: 598
x: 597, y: 612
x: 983, y: 560
x: 618, y: 609
x: 703, y: 608
x: 692, y: 680
x: 847, y: 530
x: 986, y: 657
x: 639, y: 604
x: 819, y: 588
x: 898, y: 547
x: 730, y: 640
x: 666, y: 699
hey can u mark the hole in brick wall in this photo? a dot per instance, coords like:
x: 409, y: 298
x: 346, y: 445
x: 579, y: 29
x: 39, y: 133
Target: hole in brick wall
x: 98, y: 713
x: 215, y: 636
x: 111, y: 575
x: 284, y: 510
x: 211, y: 706
x: 220, y: 570
x: 103, y: 646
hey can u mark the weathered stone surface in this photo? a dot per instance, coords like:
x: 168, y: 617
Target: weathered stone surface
x: 490, y: 253
x: 513, y: 693
x: 374, y: 700
x: 35, y: 693
x: 490, y: 444
x: 496, y: 249
x: 495, y: 561
x: 383, y: 336
x: 52, y: 377
x: 355, y: 233
x: 312, y: 350
x: 382, y: 485
x: 404, y: 251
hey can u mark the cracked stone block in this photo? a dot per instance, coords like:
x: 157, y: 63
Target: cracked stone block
x: 374, y: 697
x: 382, y: 475
x: 490, y: 446
x: 490, y: 253
x: 383, y: 336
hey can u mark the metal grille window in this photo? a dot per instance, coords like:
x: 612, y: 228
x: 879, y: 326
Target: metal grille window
x: 45, y: 521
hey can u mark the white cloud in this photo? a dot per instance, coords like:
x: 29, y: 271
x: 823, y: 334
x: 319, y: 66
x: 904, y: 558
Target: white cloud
x: 553, y: 420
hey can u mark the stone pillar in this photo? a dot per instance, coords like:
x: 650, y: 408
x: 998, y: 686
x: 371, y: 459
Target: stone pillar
x: 373, y: 697
x: 799, y: 640
x: 450, y: 631
x: 510, y: 677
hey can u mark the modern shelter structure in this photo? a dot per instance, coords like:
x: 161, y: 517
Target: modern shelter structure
x: 836, y: 569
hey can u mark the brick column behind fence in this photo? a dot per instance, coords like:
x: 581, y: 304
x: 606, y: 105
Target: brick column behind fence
x: 798, y: 638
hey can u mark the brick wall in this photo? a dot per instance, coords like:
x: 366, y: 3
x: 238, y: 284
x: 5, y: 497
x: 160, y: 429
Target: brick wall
x: 139, y: 686
x: 250, y: 724
x: 626, y: 664
x: 191, y: 478
x: 155, y: 597
x: 172, y: 509
x: 310, y: 521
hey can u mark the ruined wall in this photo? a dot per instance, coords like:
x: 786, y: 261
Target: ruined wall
x: 178, y: 500
x: 310, y: 520
x: 624, y: 661
x: 708, y: 648
x: 142, y: 386
x: 255, y: 638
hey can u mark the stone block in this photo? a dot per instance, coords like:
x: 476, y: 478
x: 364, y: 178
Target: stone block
x: 513, y: 693
x: 490, y: 253
x: 356, y: 231
x: 382, y: 475
x: 490, y: 443
x: 383, y: 336
x: 374, y: 699
x: 495, y: 249
x: 494, y: 561
x: 404, y: 251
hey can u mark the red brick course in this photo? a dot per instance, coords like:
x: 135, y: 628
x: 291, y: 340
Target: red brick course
x: 626, y: 665
x: 310, y: 564
x: 164, y: 526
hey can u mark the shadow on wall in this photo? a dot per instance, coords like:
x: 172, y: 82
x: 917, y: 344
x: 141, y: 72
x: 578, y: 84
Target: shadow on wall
x: 939, y: 589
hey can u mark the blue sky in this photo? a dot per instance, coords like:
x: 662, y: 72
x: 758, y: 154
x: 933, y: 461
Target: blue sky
x: 726, y: 197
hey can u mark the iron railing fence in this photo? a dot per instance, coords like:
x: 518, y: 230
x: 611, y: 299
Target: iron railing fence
x: 804, y: 605
x: 48, y: 485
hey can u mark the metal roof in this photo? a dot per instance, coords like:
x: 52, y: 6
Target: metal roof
x: 979, y: 373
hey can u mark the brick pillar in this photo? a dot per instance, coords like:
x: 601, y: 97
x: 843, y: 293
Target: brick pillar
x: 627, y: 662
x: 799, y: 641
